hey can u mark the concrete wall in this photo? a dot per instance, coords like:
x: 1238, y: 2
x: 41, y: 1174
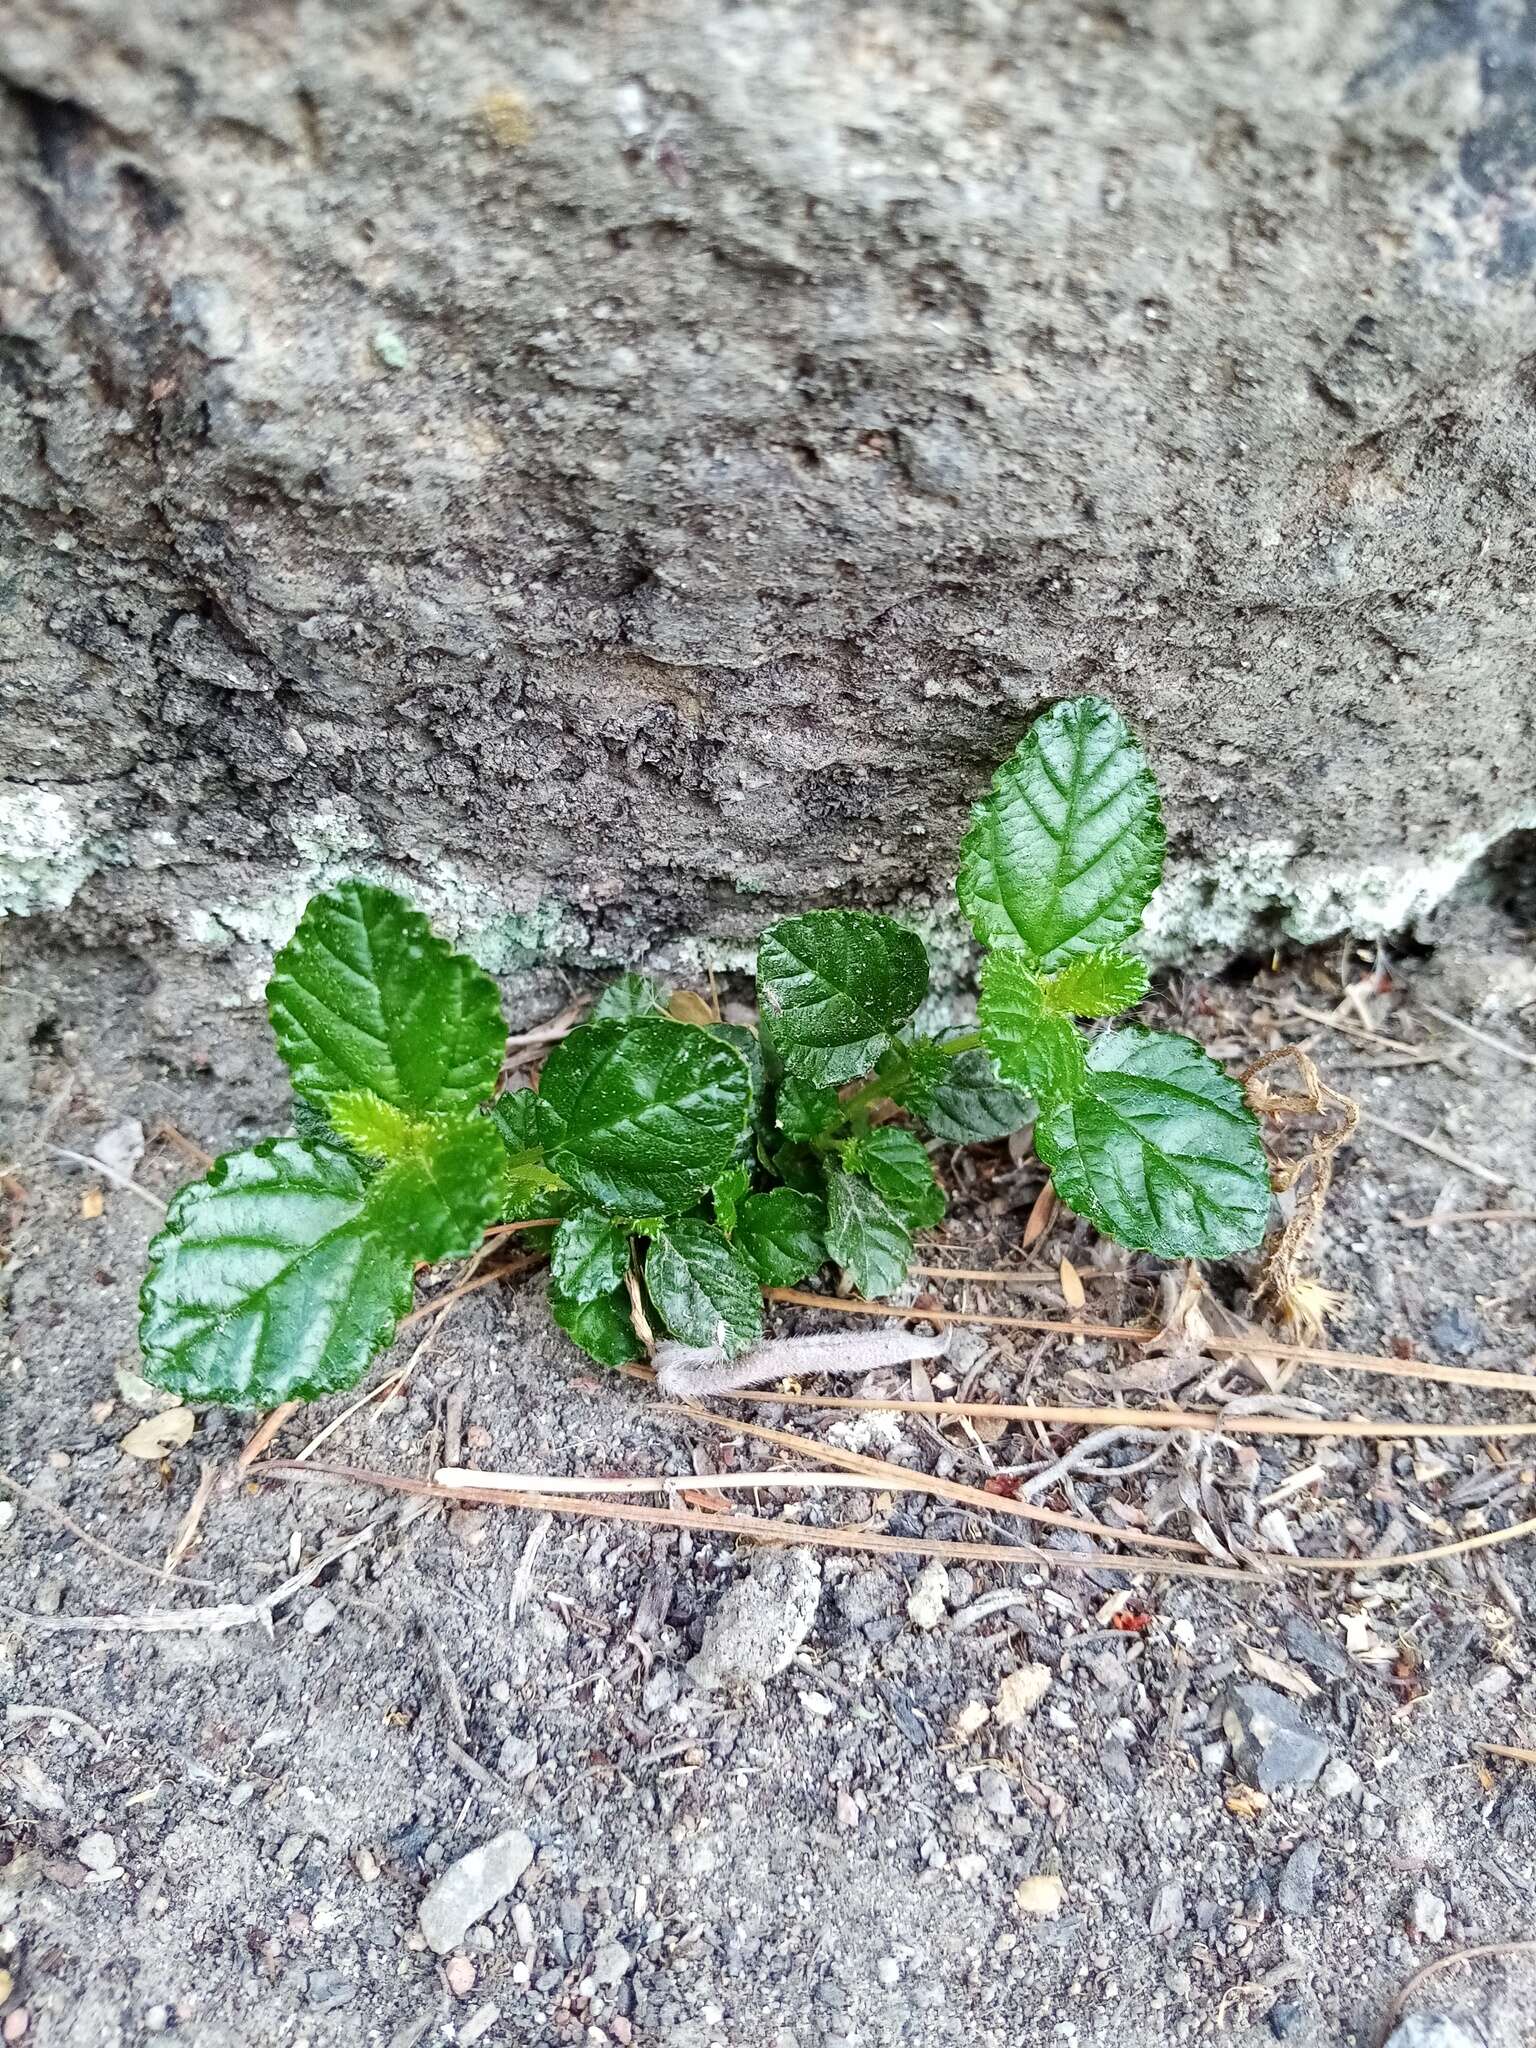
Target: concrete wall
x: 623, y: 470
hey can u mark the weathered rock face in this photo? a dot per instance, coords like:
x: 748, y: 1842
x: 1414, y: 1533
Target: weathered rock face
x: 621, y: 471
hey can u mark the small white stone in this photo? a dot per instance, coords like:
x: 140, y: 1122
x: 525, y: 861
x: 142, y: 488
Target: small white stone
x: 925, y: 1602
x: 888, y: 1970
x: 97, y: 1851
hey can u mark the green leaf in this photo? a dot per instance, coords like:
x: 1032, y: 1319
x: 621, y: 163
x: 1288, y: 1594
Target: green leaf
x: 642, y: 1116
x: 899, y: 1167
x: 590, y: 1256
x: 961, y: 1097
x: 782, y: 1234
x: 314, y: 1127
x: 1063, y: 855
x: 703, y: 1290
x: 531, y: 1191
x: 367, y: 1124
x: 274, y: 1279
x: 806, y: 1110
x: 516, y: 1116
x: 632, y: 995
x: 833, y: 985
x: 727, y: 1193
x: 747, y: 1043
x: 366, y: 996
x: 797, y: 1166
x: 601, y: 1328
x: 1159, y: 1150
x: 1097, y: 985
x: 438, y: 1200
x: 1033, y: 1049
x: 866, y: 1236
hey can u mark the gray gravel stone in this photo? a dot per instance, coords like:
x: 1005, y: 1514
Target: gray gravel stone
x: 1433, y: 2030
x: 469, y: 1888
x: 759, y: 1625
x: 1272, y: 1745
x: 1296, y: 1891
x: 1167, y: 1915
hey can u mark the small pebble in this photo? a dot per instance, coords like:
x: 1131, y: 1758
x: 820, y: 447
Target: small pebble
x: 1298, y: 1881
x: 925, y: 1602
x: 319, y: 1615
x: 610, y: 1965
x: 459, y: 1976
x: 888, y: 1970
x: 16, y: 2024
x: 97, y: 1852
x: 1428, y: 1914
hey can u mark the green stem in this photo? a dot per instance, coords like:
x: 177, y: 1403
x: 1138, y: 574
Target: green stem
x: 971, y: 1042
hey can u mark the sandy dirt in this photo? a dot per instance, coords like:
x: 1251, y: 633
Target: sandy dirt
x: 225, y: 1836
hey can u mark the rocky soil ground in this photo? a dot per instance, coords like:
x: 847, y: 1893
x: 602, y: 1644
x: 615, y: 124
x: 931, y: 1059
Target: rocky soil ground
x: 486, y: 1775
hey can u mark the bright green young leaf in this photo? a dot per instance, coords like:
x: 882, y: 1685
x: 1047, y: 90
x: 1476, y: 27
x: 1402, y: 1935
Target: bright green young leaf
x: 804, y: 1109
x: 833, y: 985
x: 366, y: 996
x: 1064, y: 853
x: 703, y: 1290
x: 590, y: 1257
x: 727, y: 1194
x: 601, y: 1328
x: 1032, y: 1048
x: 632, y: 995
x: 1159, y: 1150
x: 962, y: 1098
x: 314, y: 1127
x: 782, y: 1234
x: 865, y: 1235
x: 530, y: 1191
x: 1097, y: 985
x: 438, y: 1200
x: 899, y: 1167
x: 274, y: 1279
x: 365, y: 1123
x: 642, y: 1116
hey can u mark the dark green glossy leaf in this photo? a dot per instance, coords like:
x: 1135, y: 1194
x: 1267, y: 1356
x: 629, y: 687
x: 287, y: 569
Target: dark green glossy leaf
x: 642, y: 1116
x: 314, y: 1127
x: 865, y: 1235
x: 632, y: 995
x: 727, y: 1194
x: 590, y: 1257
x: 703, y: 1290
x: 366, y: 996
x: 516, y: 1116
x: 274, y: 1279
x: 782, y: 1234
x: 902, y: 1171
x: 601, y: 1328
x: 748, y: 1044
x: 833, y: 985
x: 797, y: 1166
x: 1064, y: 854
x: 1032, y: 1048
x: 804, y: 1110
x: 962, y: 1098
x: 1159, y: 1150
x: 1097, y: 985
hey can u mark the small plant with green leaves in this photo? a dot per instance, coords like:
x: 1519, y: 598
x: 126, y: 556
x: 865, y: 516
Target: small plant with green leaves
x: 675, y: 1165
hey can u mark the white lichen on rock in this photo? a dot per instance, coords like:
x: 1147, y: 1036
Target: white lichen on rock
x: 46, y: 853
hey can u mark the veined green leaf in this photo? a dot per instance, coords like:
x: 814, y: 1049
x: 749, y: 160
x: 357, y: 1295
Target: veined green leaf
x: 805, y: 1110
x: 865, y: 1235
x: 437, y: 1200
x: 1064, y: 854
x: 276, y: 1278
x: 602, y: 1328
x: 747, y: 1043
x: 366, y: 996
x: 632, y: 995
x: 642, y: 1116
x: 1096, y: 985
x: 833, y: 985
x: 902, y: 1171
x: 314, y: 1127
x: 702, y: 1289
x: 1159, y: 1149
x: 516, y: 1116
x: 727, y: 1193
x: 1033, y: 1049
x: 962, y: 1098
x: 364, y: 1122
x: 782, y: 1235
x: 590, y: 1256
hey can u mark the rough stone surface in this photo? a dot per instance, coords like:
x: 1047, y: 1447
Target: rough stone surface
x: 1433, y: 2030
x: 469, y: 1888
x: 1272, y: 1745
x: 761, y: 1622
x: 623, y: 473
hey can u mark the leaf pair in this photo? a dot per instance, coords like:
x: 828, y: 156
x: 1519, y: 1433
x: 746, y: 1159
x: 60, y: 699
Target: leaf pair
x: 1144, y: 1134
x: 283, y: 1272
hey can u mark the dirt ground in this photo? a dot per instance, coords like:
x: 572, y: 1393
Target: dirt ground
x: 225, y: 1836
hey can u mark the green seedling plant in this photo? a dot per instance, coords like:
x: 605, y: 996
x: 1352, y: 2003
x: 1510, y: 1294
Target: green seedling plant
x: 675, y: 1165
